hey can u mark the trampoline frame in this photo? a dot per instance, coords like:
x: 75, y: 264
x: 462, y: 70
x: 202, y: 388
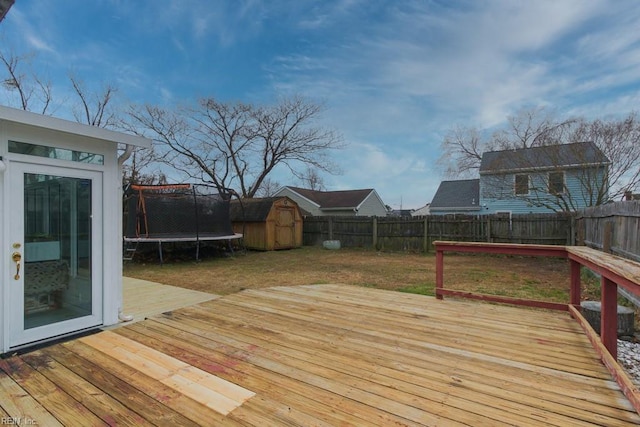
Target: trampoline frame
x: 197, y: 239
x: 159, y: 239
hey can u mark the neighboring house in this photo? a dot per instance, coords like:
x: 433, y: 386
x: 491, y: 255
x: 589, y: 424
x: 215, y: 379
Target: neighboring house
x: 401, y: 213
x: 60, y: 227
x: 554, y: 178
x: 364, y: 202
x: 457, y: 197
x: 423, y: 211
x: 628, y: 195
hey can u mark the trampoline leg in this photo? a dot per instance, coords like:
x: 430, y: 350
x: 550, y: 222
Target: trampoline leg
x: 198, y: 250
x: 160, y: 252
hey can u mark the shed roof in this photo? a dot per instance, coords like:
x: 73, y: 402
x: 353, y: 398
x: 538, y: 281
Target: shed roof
x: 562, y: 155
x: 460, y: 194
x: 347, y: 199
x: 253, y: 210
x: 28, y: 118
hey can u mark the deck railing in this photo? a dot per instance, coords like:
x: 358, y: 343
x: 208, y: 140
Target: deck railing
x: 614, y: 271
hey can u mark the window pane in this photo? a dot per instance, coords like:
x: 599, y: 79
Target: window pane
x: 55, y: 153
x: 556, y: 182
x: 522, y: 184
x: 57, y: 234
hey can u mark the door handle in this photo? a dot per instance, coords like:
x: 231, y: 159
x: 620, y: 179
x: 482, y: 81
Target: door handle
x: 17, y: 257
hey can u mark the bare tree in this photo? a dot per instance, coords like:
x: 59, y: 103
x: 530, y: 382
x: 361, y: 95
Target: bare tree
x: 462, y: 151
x: 29, y: 92
x: 312, y: 179
x: 94, y: 109
x: 619, y: 140
x: 237, y: 145
x: 138, y: 169
x: 531, y: 127
x: 462, y: 147
x: 268, y: 188
x: 24, y: 84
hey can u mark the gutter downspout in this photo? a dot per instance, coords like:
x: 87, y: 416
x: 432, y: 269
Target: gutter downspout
x: 125, y: 156
x: 121, y: 159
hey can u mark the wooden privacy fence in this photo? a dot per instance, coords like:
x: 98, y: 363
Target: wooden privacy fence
x: 614, y: 228
x: 417, y: 234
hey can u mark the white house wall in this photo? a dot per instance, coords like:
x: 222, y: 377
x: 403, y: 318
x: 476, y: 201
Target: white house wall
x: 4, y: 263
x: 372, y: 205
x: 111, y: 193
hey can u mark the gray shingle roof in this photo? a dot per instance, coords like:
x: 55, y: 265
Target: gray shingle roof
x: 346, y: 199
x: 563, y: 155
x: 461, y: 194
x: 251, y: 210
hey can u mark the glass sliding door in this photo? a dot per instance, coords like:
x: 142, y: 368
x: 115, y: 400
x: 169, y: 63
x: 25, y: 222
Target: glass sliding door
x: 57, y: 249
x: 58, y: 229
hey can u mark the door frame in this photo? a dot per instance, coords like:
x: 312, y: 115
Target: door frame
x: 13, y: 301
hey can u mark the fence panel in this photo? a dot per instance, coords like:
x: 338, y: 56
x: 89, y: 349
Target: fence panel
x: 315, y: 230
x: 400, y: 234
x: 418, y: 233
x: 614, y: 227
x: 353, y: 232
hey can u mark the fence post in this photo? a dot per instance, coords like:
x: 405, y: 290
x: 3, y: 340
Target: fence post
x: 572, y: 231
x: 607, y: 237
x: 375, y: 233
x: 488, y: 229
x: 330, y: 227
x: 425, y: 243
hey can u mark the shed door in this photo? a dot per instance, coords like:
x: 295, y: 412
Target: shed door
x: 285, y: 228
x: 55, y: 250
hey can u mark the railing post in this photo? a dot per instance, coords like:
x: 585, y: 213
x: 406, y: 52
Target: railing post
x: 609, y: 316
x: 575, y: 291
x: 439, y: 272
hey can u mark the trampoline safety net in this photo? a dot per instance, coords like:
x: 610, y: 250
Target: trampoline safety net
x: 177, y: 211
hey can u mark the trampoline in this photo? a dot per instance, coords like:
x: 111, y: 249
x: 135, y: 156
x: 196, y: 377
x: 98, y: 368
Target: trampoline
x: 176, y: 213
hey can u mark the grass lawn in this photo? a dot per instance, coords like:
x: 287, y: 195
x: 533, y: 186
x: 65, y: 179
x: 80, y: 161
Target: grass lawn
x: 521, y: 277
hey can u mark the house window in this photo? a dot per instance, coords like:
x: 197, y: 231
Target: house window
x: 522, y: 184
x: 556, y: 182
x: 55, y: 153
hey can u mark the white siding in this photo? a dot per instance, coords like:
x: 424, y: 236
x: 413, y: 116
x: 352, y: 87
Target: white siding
x: 372, y: 206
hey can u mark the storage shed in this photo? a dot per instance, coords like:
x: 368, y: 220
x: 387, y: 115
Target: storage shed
x: 269, y: 223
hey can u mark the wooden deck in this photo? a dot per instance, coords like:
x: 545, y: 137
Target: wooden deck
x: 322, y: 355
x: 143, y: 298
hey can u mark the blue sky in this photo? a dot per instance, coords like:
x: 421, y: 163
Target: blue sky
x: 394, y: 75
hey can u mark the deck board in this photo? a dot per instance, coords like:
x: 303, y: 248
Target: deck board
x: 143, y: 298
x: 322, y: 355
